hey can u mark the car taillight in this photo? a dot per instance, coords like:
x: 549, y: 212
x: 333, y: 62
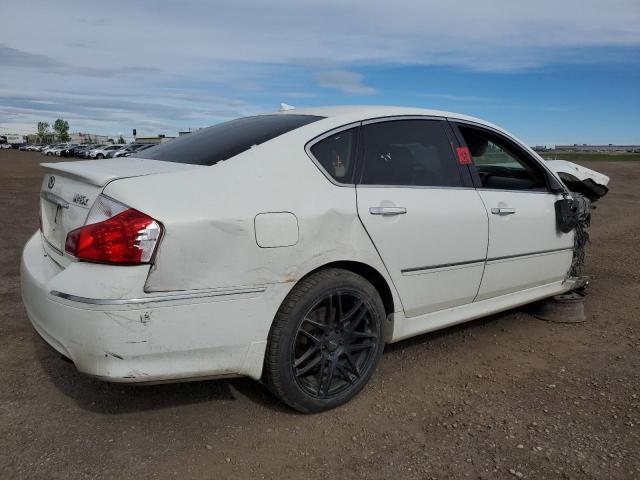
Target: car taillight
x: 114, y: 233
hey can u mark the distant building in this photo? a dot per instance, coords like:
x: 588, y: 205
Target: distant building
x: 80, y: 137
x: 598, y: 148
x: 34, y: 138
x: 14, y: 139
x: 153, y: 140
x: 76, y: 137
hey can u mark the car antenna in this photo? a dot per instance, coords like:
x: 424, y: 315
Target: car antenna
x: 285, y: 106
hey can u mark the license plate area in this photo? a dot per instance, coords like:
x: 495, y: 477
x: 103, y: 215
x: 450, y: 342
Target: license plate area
x: 52, y: 223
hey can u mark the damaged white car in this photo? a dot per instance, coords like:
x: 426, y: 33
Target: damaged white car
x: 291, y: 247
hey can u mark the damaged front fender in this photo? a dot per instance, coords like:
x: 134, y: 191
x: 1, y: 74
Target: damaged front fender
x: 579, y: 179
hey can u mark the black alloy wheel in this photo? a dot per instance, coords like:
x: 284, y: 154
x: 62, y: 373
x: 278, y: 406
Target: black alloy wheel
x: 326, y: 341
x: 334, y: 343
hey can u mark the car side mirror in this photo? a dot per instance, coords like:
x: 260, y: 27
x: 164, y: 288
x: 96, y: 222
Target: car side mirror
x: 567, y: 214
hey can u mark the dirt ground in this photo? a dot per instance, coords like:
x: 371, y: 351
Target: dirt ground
x: 508, y: 396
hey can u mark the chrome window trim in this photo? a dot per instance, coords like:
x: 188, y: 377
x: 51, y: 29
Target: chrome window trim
x: 319, y: 138
x: 360, y: 123
x: 394, y: 118
x: 537, y: 192
x: 419, y: 187
x: 156, y: 298
x: 369, y: 121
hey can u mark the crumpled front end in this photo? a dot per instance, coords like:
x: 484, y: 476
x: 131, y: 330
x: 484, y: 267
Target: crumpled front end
x: 588, y: 183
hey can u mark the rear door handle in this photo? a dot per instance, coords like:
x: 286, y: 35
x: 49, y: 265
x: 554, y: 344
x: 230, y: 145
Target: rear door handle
x: 387, y: 211
x: 503, y: 211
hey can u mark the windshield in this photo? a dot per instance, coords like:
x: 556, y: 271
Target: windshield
x: 225, y: 140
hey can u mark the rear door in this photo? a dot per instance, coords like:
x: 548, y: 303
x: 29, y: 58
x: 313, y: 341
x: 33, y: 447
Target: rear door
x: 430, y: 228
x: 526, y: 249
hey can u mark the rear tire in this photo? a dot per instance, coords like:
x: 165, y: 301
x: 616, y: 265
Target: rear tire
x: 325, y: 342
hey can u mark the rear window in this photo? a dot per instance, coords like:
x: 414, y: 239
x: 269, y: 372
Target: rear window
x: 225, y: 140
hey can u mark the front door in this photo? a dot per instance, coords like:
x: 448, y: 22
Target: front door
x: 430, y: 229
x: 526, y: 249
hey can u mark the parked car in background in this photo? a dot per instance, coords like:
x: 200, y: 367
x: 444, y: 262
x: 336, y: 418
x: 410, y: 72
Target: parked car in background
x: 34, y: 148
x: 69, y: 150
x: 86, y: 150
x: 124, y: 148
x: 141, y: 148
x: 80, y: 149
x: 5, y: 146
x: 128, y: 150
x: 101, y: 152
x: 48, y: 150
x: 61, y: 148
x: 292, y: 247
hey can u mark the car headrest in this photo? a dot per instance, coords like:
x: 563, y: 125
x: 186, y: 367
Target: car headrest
x: 477, y: 144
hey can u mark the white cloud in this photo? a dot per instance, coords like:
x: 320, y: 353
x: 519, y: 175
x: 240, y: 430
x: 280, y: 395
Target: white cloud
x: 236, y: 57
x: 345, y: 81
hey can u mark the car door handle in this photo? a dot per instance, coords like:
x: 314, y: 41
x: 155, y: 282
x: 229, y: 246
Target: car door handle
x: 387, y: 211
x: 503, y: 211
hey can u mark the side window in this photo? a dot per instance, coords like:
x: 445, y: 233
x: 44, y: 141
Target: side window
x: 336, y: 154
x: 499, y: 163
x: 408, y: 152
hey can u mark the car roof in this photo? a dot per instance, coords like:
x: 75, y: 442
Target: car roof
x: 338, y: 116
x: 344, y: 114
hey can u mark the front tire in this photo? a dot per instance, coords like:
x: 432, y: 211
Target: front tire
x: 325, y: 342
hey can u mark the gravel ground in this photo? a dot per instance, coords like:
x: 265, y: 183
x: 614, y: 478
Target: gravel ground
x: 508, y: 396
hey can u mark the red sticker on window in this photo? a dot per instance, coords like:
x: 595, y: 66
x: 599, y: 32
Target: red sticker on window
x: 464, y: 156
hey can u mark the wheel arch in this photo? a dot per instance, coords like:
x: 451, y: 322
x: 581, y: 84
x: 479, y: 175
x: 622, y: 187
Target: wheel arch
x: 371, y: 274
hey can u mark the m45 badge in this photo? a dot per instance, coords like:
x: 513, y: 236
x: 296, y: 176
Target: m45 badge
x: 81, y: 199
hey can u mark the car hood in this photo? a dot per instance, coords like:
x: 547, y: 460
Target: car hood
x: 581, y: 179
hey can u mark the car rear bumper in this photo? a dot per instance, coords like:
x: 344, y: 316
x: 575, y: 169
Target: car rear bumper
x: 172, y: 336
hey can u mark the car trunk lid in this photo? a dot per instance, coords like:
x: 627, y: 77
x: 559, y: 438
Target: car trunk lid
x: 69, y: 189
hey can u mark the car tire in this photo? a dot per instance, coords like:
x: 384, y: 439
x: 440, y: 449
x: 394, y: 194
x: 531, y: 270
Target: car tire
x: 100, y: 156
x: 326, y: 341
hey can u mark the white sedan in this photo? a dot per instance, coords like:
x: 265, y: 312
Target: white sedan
x: 292, y: 247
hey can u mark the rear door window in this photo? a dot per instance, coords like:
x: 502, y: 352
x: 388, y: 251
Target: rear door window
x: 225, y: 140
x: 408, y: 153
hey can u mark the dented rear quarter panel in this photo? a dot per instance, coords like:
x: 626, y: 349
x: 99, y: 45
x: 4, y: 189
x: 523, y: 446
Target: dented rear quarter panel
x: 208, y: 215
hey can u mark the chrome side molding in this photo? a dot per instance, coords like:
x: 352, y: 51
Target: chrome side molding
x: 156, y: 298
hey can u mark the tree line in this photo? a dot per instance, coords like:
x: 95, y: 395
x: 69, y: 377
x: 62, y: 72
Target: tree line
x: 60, y: 131
x: 60, y: 128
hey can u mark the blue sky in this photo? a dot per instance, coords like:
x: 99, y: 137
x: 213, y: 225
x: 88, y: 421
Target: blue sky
x: 562, y: 71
